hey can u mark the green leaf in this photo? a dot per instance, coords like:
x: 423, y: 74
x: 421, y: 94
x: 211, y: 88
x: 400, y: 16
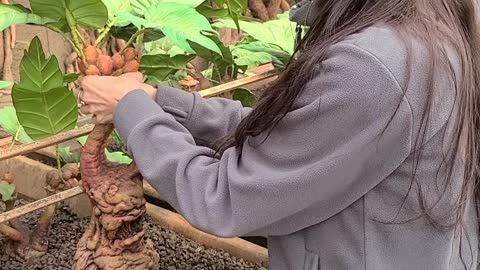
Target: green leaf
x: 222, y: 64
x: 7, y: 191
x: 16, y: 14
x: 10, y: 124
x: 4, y: 84
x: 45, y: 113
x: 162, y: 46
x: 118, y: 157
x: 225, y: 9
x: 279, y: 57
x: 161, y: 66
x: 280, y: 32
x: 208, y: 73
x: 246, y: 97
x: 116, y: 6
x: 208, y: 11
x: 250, y: 59
x: 82, y: 140
x: 44, y: 105
x: 126, y: 32
x: 235, y: 9
x: 67, y: 156
x: 117, y: 139
x: 68, y: 78
x: 141, y: 6
x: 180, y: 23
x: 91, y: 14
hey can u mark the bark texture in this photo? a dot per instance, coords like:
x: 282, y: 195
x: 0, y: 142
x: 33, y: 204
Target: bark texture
x: 115, y: 238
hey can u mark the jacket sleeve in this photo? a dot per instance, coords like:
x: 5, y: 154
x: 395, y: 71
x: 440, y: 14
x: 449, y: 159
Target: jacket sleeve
x: 346, y: 134
x: 208, y: 120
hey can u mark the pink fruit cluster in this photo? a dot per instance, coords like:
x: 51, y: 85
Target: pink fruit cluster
x: 104, y: 65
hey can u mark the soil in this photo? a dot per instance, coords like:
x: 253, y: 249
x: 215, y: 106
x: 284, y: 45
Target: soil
x: 176, y: 251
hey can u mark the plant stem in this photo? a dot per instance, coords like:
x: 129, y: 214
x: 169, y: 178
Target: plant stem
x: 140, y: 45
x: 57, y: 155
x: 76, y: 48
x: 76, y: 38
x: 133, y: 38
x: 10, y: 232
x: 80, y: 37
x: 15, y: 138
x: 102, y: 37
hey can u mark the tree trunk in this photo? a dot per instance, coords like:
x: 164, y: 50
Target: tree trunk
x: 114, y: 239
x: 8, y: 57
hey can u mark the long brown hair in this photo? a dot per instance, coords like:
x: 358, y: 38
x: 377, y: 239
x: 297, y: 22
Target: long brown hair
x: 436, y: 23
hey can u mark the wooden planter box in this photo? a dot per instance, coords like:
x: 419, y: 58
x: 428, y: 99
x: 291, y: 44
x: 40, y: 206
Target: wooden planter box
x: 30, y: 182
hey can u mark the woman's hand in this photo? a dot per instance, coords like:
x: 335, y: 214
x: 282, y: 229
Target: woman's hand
x: 101, y: 94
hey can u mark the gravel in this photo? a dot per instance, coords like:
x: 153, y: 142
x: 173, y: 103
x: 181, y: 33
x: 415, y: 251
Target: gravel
x: 176, y: 251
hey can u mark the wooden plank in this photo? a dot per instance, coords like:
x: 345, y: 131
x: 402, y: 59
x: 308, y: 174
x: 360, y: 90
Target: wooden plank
x: 25, y: 209
x: 5, y: 143
x: 227, y: 87
x: 235, y: 246
x: 150, y: 191
x: 24, y: 149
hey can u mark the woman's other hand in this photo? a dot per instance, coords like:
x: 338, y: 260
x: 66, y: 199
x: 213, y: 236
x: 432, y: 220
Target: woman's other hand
x: 101, y: 94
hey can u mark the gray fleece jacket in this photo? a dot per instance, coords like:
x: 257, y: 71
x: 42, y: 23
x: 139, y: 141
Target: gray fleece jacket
x: 327, y: 186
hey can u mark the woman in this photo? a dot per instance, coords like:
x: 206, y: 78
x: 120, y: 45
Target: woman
x: 362, y: 155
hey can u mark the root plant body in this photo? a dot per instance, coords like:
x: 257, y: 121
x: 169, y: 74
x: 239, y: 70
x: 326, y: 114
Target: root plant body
x: 115, y: 238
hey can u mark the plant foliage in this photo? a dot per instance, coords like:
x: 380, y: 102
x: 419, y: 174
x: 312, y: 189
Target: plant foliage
x: 45, y: 106
x: 91, y: 14
x: 17, y: 14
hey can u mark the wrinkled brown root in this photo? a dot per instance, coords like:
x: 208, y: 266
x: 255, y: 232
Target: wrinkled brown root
x: 267, y: 9
x: 258, y: 9
x: 56, y: 182
x: 2, y: 52
x: 285, y: 6
x: 8, y: 58
x: 114, y: 239
x: 24, y: 243
x: 18, y: 235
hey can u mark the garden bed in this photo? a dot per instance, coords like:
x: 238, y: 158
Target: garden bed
x: 176, y: 251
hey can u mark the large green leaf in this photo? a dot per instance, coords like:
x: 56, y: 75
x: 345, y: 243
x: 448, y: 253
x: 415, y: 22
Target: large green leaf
x: 250, y: 59
x: 279, y: 57
x: 44, y: 105
x: 180, y: 23
x: 116, y: 6
x: 68, y: 78
x: 280, y: 32
x: 16, y: 14
x: 91, y: 14
x: 235, y: 9
x: 162, y: 46
x: 222, y: 64
x: 9, y: 123
x: 141, y: 6
x: 126, y: 32
x: 224, y: 9
x: 246, y: 97
x: 67, y: 156
x: 4, y: 84
x: 6, y: 191
x: 162, y: 65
